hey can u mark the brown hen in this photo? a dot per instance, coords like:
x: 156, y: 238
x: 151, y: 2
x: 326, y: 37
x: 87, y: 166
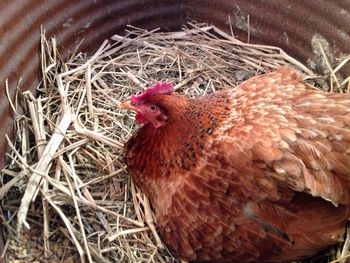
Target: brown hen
x: 258, y: 173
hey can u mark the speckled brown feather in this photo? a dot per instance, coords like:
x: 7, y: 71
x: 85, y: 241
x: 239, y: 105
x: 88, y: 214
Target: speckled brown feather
x: 248, y: 174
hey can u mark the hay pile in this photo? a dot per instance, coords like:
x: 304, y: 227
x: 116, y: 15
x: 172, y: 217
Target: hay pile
x: 65, y: 177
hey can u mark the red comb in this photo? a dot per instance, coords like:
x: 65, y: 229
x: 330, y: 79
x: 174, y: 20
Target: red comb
x: 159, y: 88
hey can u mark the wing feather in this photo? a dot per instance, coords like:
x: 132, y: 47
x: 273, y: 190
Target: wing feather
x: 306, y: 148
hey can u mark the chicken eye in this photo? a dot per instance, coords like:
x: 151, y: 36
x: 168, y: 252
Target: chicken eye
x: 153, y: 107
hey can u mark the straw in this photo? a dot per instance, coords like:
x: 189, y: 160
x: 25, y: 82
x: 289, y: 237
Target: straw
x: 65, y: 178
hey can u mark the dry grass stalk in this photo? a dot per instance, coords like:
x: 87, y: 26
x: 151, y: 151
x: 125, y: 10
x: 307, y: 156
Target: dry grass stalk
x: 42, y: 167
x: 68, y: 148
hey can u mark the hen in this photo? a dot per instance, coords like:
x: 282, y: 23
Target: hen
x: 258, y: 173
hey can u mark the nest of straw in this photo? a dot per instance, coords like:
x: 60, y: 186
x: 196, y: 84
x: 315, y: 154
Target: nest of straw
x: 66, y: 194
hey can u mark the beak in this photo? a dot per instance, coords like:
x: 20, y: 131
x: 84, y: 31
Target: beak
x: 127, y: 105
